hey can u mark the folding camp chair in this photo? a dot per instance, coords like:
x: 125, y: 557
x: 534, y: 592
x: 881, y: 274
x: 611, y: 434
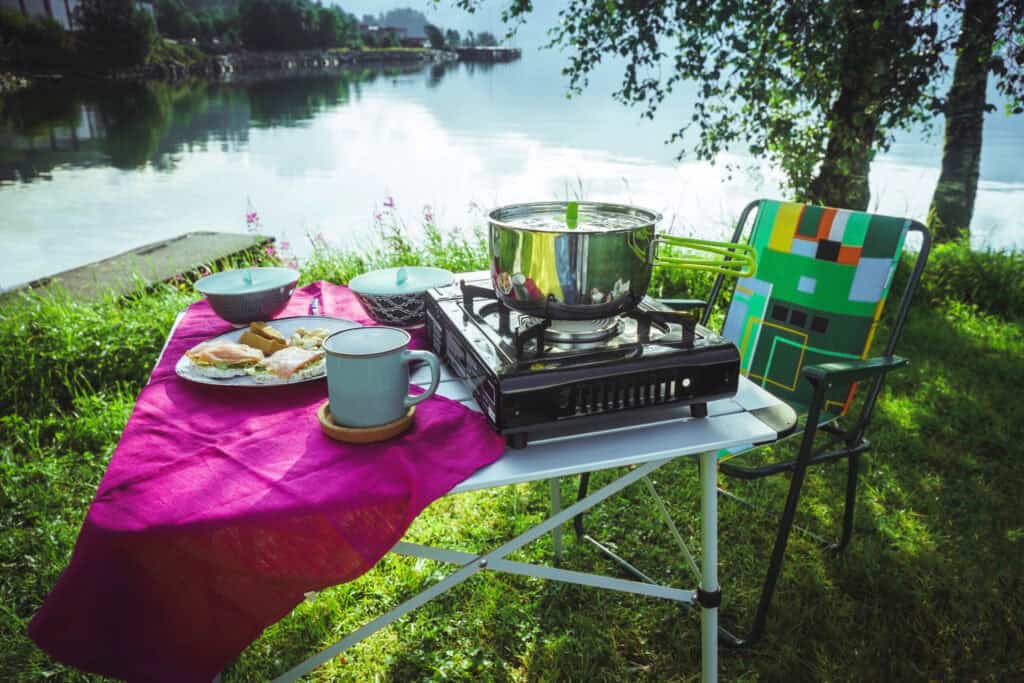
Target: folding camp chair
x: 804, y: 325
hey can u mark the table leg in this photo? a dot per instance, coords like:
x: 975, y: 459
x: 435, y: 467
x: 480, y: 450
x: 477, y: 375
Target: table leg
x: 556, y: 507
x: 709, y: 565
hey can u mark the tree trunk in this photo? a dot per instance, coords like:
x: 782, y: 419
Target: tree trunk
x: 842, y: 180
x: 953, y: 201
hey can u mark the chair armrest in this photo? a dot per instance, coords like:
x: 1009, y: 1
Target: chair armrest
x: 683, y: 304
x: 852, y: 370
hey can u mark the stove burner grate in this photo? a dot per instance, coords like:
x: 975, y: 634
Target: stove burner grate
x: 582, y: 331
x: 640, y: 326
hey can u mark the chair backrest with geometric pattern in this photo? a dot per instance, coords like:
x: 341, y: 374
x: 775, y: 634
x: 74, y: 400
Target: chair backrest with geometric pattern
x: 821, y: 282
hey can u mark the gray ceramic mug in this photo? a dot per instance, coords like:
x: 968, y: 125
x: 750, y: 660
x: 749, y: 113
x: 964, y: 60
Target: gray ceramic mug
x: 368, y: 375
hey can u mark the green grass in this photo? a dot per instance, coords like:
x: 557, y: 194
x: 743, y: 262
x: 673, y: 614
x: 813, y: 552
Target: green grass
x: 930, y: 588
x: 170, y: 52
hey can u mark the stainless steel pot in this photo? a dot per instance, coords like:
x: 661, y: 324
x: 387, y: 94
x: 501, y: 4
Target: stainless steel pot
x: 594, y: 260
x: 541, y: 267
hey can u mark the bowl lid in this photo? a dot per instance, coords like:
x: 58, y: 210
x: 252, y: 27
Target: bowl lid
x: 404, y: 280
x: 246, y: 280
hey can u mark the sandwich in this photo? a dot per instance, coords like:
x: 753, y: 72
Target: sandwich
x: 291, y: 363
x: 221, y: 359
x: 263, y: 337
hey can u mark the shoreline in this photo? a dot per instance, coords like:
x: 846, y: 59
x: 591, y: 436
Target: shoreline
x: 220, y: 66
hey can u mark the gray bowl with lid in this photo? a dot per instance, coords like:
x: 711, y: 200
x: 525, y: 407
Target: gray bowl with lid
x: 245, y: 295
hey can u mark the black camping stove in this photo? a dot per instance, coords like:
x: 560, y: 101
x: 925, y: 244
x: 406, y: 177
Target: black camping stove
x: 537, y: 378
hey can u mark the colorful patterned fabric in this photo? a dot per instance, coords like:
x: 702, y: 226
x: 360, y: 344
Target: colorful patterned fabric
x: 822, y: 278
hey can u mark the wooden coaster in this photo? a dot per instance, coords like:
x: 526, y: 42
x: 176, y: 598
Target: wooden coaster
x: 363, y: 434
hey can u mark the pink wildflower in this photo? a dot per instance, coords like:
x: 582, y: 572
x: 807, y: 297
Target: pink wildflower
x: 389, y: 202
x: 270, y: 251
x: 286, y: 245
x: 293, y: 262
x: 251, y: 217
x: 428, y: 214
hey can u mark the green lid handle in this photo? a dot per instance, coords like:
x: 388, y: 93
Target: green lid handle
x: 572, y: 215
x: 401, y: 276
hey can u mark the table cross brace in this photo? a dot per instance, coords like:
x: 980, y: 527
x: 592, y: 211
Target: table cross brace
x: 472, y: 564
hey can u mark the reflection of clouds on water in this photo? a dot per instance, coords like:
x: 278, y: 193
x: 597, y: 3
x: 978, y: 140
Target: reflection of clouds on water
x: 906, y: 190
x: 319, y: 153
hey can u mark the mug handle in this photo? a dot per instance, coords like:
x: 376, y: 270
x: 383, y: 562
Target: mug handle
x: 435, y: 374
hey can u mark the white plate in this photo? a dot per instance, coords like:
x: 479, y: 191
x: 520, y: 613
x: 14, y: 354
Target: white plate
x: 286, y: 326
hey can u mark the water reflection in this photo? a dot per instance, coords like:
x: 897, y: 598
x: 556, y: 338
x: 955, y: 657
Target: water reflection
x: 87, y: 171
x: 133, y: 125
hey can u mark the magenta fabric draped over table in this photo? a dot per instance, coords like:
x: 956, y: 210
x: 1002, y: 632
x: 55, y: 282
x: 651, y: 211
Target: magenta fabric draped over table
x: 222, y: 506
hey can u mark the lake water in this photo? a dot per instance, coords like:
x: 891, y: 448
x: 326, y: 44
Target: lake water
x: 88, y: 171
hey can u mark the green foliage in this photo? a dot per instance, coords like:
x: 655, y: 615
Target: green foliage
x: 294, y: 25
x: 452, y: 39
x: 992, y: 281
x: 816, y: 87
x: 435, y: 36
x: 57, y: 348
x: 393, y: 246
x: 165, y: 51
x: 115, y: 33
x: 34, y: 41
x: 485, y: 39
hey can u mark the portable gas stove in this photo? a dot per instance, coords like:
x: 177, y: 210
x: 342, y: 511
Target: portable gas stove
x: 537, y: 378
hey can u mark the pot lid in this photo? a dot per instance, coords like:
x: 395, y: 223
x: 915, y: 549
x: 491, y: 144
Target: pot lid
x: 403, y: 280
x: 563, y: 217
x: 246, y: 280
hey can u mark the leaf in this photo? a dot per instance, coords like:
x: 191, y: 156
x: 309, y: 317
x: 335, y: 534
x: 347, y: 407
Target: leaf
x: 572, y: 215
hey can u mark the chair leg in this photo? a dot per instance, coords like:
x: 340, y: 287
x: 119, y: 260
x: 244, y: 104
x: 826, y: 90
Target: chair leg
x: 852, y: 466
x: 775, y: 566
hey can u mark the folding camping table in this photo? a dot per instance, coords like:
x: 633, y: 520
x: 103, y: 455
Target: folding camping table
x: 752, y: 416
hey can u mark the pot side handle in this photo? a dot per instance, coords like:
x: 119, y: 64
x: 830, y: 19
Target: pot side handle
x: 722, y: 258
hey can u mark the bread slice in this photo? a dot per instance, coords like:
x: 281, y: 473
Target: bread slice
x: 266, y: 331
x: 267, y: 346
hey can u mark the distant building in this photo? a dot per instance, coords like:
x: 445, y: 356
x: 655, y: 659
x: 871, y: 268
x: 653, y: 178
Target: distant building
x: 398, y: 32
x: 58, y: 10
x: 415, y: 42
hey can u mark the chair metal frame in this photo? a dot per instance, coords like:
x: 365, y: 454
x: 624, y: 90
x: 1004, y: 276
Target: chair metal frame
x: 841, y: 443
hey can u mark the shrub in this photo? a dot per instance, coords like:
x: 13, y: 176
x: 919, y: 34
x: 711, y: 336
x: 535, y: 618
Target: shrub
x: 452, y: 250
x: 115, y: 33
x: 39, y: 42
x: 57, y: 348
x: 992, y: 281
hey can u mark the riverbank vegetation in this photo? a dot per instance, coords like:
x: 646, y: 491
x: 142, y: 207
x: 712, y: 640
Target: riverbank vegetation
x: 110, y: 36
x: 929, y: 588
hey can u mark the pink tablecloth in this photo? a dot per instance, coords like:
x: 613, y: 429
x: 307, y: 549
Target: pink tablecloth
x: 222, y: 506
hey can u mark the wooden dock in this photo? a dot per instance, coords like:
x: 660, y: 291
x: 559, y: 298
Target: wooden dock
x: 150, y: 264
x: 489, y: 54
